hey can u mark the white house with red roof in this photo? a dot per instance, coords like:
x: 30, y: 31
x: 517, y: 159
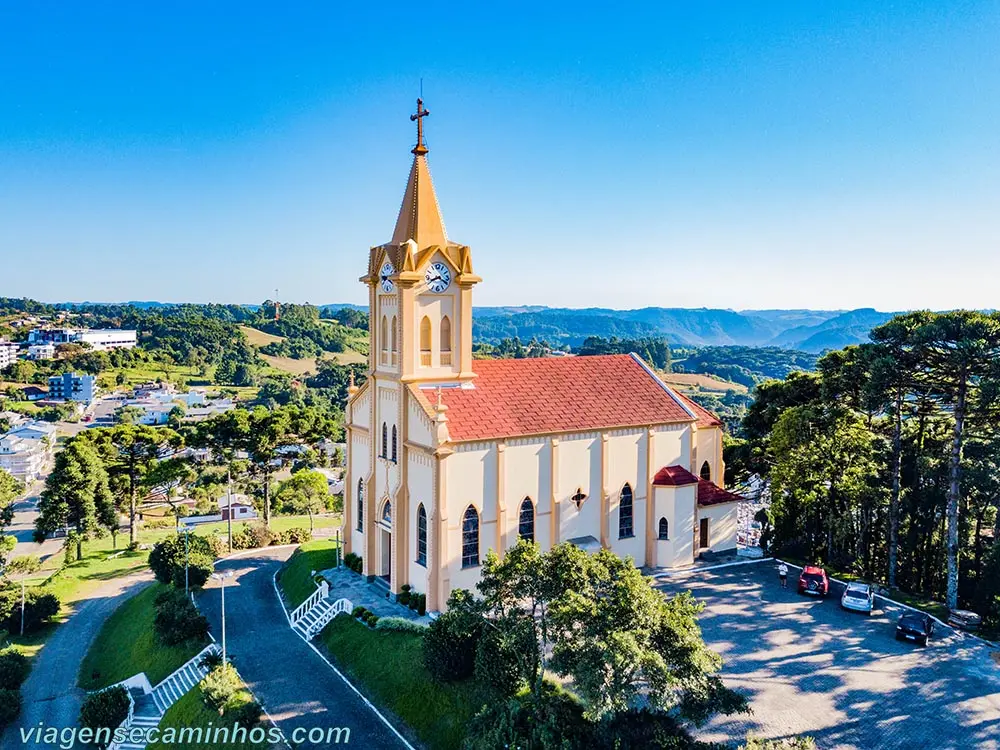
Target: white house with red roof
x: 449, y: 457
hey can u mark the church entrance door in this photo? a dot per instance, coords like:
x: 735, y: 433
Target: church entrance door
x: 386, y: 568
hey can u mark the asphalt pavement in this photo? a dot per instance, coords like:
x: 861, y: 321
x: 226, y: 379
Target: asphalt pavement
x: 297, y: 688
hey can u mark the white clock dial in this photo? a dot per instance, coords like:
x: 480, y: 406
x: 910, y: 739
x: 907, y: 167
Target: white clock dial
x: 438, y: 277
x: 384, y: 275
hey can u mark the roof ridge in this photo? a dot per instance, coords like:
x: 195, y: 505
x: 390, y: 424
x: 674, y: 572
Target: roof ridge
x: 664, y: 386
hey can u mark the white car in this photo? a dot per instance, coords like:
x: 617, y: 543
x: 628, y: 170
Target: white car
x: 858, y: 597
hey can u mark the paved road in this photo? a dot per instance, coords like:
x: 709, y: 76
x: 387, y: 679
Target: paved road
x: 293, y: 682
x: 50, y: 694
x: 812, y: 668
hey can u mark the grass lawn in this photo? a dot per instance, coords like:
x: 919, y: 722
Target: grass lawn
x: 389, y: 668
x: 127, y: 645
x: 191, y: 711
x: 295, y: 580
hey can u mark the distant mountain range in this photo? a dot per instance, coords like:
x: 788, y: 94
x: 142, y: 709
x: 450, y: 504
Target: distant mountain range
x: 804, y: 330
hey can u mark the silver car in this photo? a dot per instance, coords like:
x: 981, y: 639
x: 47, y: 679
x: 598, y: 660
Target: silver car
x: 858, y: 597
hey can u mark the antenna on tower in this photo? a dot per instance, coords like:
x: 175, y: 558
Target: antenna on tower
x: 277, y: 306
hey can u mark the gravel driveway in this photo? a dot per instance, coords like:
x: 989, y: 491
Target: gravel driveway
x: 841, y: 677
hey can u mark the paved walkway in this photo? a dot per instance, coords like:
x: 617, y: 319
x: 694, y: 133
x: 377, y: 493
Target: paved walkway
x: 812, y: 668
x: 295, y: 685
x: 346, y: 583
x: 50, y: 694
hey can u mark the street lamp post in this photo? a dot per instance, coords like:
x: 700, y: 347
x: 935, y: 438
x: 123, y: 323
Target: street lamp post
x: 187, y: 531
x: 222, y: 578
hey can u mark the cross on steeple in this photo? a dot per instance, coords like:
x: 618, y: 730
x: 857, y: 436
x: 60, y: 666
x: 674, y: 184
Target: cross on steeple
x: 420, y: 148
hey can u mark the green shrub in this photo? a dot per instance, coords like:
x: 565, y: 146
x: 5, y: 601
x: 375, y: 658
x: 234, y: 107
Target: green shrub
x: 248, y: 714
x: 243, y: 539
x: 400, y: 624
x: 298, y: 535
x: 10, y: 706
x: 220, y: 686
x: 197, y: 572
x: 177, y: 619
x: 372, y: 619
x: 107, y: 708
x: 217, y: 545
x: 450, y: 645
x: 358, y: 611
x: 640, y: 729
x: 39, y: 608
x: 498, y: 664
x: 422, y: 604
x: 403, y: 597
x: 211, y: 660
x: 168, y: 556
x: 353, y: 562
x: 14, y: 669
x: 260, y: 536
x: 554, y: 720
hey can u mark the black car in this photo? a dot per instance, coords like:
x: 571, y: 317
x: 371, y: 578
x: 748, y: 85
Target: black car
x: 914, y: 626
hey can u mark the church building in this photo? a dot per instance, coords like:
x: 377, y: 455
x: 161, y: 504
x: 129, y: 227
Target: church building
x: 449, y: 456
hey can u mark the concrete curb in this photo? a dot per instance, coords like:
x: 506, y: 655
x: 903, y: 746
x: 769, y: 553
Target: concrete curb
x: 368, y: 703
x: 688, y: 571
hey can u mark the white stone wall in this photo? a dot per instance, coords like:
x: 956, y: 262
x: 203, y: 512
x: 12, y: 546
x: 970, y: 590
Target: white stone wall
x: 579, y: 468
x: 708, y: 449
x: 626, y: 463
x: 359, y: 456
x: 471, y: 480
x: 528, y: 472
x: 420, y: 480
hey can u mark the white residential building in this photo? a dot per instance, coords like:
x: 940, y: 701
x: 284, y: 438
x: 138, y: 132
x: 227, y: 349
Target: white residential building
x: 42, y: 351
x: 8, y: 354
x: 24, y: 459
x: 101, y: 339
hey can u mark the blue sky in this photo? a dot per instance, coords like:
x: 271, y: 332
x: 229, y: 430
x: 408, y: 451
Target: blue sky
x: 788, y: 154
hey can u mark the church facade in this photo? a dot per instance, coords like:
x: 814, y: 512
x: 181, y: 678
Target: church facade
x: 449, y: 456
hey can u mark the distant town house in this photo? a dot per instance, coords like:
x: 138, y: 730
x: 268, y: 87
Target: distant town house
x: 102, y: 339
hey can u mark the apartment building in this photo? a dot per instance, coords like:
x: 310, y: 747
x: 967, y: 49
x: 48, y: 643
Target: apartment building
x: 8, y: 354
x: 71, y: 386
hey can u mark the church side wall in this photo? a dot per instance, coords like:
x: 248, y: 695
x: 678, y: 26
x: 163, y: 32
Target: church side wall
x: 672, y: 446
x: 627, y: 464
x: 709, y: 445
x: 420, y: 481
x: 361, y: 410
x: 471, y: 480
x: 418, y: 424
x: 359, y: 455
x: 579, y: 469
x: 527, y: 473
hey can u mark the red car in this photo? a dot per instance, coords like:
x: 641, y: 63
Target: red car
x: 814, y: 581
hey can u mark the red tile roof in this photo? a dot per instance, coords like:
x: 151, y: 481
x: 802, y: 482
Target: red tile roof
x: 674, y: 476
x: 705, y: 417
x: 711, y: 494
x: 515, y: 397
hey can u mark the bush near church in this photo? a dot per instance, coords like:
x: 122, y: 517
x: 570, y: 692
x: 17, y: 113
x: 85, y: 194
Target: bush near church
x: 10, y: 705
x: 177, y: 619
x: 451, y: 640
x: 39, y: 608
x: 220, y: 686
x: 107, y: 708
x: 353, y: 562
x: 167, y: 557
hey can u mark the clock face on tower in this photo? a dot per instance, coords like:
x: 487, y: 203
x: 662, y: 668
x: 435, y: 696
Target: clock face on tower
x: 438, y: 277
x: 384, y: 274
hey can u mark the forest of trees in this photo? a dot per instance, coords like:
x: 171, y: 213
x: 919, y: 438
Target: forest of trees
x: 656, y: 351
x: 886, y: 461
x: 747, y: 365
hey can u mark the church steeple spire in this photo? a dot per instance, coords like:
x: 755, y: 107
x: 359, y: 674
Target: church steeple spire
x: 420, y: 216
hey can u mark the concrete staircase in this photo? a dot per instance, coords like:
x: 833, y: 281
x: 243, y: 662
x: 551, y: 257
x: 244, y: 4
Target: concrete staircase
x: 149, y: 707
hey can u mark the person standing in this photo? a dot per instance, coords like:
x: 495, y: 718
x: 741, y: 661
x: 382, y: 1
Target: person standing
x: 783, y: 574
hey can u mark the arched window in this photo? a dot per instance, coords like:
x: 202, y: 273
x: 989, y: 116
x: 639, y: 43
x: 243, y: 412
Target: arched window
x: 445, y: 341
x: 425, y: 342
x: 387, y: 513
x: 664, y: 529
x: 385, y: 441
x: 526, y: 520
x: 470, y: 538
x: 392, y: 336
x: 361, y: 504
x: 706, y: 471
x: 421, y: 535
x: 394, y: 443
x: 384, y: 339
x: 625, y: 528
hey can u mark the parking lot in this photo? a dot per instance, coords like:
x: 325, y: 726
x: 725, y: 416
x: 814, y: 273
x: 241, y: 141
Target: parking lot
x: 810, y: 667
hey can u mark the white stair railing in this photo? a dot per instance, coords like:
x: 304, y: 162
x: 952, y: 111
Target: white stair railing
x: 314, y: 598
x: 341, y: 605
